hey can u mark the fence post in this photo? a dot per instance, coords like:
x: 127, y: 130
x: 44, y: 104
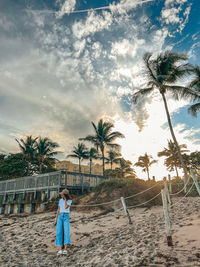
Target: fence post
x: 167, y: 191
x: 48, y: 192
x: 82, y: 184
x: 167, y: 219
x: 195, y: 181
x: 5, y: 194
x: 126, y: 210
x: 59, y: 181
x: 66, y: 178
x: 35, y: 192
x: 170, y: 184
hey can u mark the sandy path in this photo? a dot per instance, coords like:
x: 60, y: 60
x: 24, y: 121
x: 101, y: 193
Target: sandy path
x: 28, y: 240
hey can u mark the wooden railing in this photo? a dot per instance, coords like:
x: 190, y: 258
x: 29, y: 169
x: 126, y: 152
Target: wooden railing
x: 50, y: 181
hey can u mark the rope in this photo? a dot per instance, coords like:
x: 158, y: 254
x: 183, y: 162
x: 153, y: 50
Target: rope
x: 141, y: 192
x: 181, y: 189
x: 130, y: 207
x: 106, y: 203
x: 183, y: 196
x: 98, y: 204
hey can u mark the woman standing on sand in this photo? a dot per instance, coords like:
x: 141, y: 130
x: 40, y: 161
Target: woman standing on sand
x: 62, y: 221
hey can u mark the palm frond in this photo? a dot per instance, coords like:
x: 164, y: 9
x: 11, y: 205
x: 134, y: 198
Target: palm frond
x: 194, y: 109
x: 142, y: 92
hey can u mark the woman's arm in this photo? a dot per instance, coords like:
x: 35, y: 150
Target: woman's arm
x: 66, y: 206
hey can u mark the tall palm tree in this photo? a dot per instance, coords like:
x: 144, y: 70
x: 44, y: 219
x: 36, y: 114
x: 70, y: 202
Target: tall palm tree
x: 80, y: 152
x: 145, y: 163
x: 195, y: 85
x: 92, y: 154
x: 124, y: 168
x: 45, y: 152
x: 28, y: 149
x: 103, y: 137
x: 112, y: 157
x: 163, y: 73
x: 172, y: 160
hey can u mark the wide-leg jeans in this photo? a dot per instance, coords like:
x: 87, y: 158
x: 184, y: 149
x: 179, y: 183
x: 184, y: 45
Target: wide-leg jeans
x: 63, y: 222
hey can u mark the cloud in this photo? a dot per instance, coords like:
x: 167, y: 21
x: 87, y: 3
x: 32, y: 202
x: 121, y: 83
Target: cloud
x: 94, y: 23
x: 66, y: 8
x: 170, y: 15
x: 126, y: 5
x: 175, y: 12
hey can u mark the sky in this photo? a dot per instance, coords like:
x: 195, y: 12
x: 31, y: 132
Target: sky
x: 65, y: 63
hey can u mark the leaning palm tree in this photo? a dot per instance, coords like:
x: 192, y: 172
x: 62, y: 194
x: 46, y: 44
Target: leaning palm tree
x: 103, y: 137
x: 80, y: 152
x: 113, y: 157
x: 163, y: 73
x: 28, y: 149
x: 92, y: 154
x: 195, y: 86
x: 145, y: 163
x: 172, y: 160
x: 45, y: 152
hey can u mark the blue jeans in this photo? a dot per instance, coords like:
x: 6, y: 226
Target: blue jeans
x: 63, y: 222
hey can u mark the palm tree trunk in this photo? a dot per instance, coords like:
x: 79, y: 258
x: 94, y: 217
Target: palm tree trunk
x: 103, y: 160
x: 40, y: 167
x: 79, y: 162
x: 148, y: 174
x: 176, y: 171
x: 175, y: 141
x: 90, y: 166
x: 40, y: 164
x: 111, y: 164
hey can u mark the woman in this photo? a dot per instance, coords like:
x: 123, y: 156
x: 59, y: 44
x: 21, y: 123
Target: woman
x: 62, y: 221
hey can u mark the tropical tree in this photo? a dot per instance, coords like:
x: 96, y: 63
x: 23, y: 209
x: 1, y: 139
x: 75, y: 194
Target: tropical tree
x: 124, y: 168
x: 163, y: 73
x: 13, y: 166
x: 113, y: 157
x: 172, y: 161
x: 145, y: 163
x: 195, y: 86
x: 28, y: 149
x: 92, y: 154
x: 45, y: 153
x: 103, y: 137
x: 80, y: 152
x: 192, y: 160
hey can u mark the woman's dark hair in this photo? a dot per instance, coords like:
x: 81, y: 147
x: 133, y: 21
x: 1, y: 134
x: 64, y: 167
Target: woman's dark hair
x: 67, y: 196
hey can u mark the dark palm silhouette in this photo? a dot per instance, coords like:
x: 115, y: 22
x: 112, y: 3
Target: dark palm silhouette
x: 124, y: 168
x: 145, y: 163
x: 172, y: 161
x: 80, y: 152
x: 28, y: 149
x: 112, y: 157
x: 92, y: 154
x: 163, y: 73
x: 45, y: 152
x: 103, y: 137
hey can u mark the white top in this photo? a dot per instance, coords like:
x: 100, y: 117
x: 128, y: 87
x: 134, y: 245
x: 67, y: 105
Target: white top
x: 61, y: 204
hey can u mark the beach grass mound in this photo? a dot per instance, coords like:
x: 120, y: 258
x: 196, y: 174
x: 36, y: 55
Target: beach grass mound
x: 116, y: 188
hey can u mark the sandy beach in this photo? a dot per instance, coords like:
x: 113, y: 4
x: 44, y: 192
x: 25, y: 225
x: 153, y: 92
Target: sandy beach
x: 28, y: 240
